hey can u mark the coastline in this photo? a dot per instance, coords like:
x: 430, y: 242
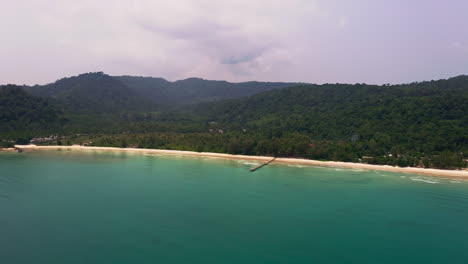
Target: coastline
x: 8, y: 150
x: 460, y: 174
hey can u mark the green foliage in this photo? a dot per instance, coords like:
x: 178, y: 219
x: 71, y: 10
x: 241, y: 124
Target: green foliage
x: 93, y: 93
x: 415, y: 120
x: 101, y: 93
x: 194, y: 90
x: 6, y: 144
x: 419, y: 124
x: 22, y: 141
x: 23, y: 114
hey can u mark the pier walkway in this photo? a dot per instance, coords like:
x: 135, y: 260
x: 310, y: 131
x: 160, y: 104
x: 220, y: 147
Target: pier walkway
x: 261, y: 165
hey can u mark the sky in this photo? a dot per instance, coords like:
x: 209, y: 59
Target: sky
x: 314, y: 41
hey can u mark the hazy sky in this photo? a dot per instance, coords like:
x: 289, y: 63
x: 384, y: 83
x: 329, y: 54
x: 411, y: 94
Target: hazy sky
x: 372, y: 41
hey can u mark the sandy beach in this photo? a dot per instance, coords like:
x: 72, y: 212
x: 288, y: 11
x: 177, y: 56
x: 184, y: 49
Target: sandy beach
x: 8, y: 150
x: 461, y: 174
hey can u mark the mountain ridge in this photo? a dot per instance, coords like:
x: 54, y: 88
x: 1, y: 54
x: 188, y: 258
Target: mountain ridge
x: 417, y: 124
x: 95, y: 92
x: 101, y: 92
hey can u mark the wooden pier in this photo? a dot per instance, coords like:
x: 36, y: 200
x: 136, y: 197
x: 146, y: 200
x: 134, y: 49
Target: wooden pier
x: 261, y: 165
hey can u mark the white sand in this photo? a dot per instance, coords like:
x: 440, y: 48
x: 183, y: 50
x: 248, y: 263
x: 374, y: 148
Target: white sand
x: 462, y: 174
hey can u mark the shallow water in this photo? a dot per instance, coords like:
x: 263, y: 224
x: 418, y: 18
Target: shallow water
x: 68, y: 207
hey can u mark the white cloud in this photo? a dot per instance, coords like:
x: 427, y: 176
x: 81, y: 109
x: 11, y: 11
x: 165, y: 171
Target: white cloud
x: 343, y: 22
x: 212, y: 39
x: 236, y: 40
x: 456, y: 45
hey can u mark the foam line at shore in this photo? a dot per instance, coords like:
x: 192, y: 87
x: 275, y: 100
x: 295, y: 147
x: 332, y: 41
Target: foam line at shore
x: 462, y: 174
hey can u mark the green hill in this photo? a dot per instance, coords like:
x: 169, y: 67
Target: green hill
x: 401, y: 120
x: 417, y: 124
x: 23, y: 114
x: 99, y: 92
x: 194, y: 90
x: 93, y: 92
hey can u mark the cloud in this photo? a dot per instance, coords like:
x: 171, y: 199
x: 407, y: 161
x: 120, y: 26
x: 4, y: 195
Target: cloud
x: 275, y: 40
x: 456, y: 45
x: 228, y: 44
x: 222, y: 45
x: 242, y: 59
x: 343, y: 22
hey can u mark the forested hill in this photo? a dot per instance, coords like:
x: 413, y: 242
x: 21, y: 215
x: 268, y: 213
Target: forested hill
x: 99, y: 92
x: 195, y: 90
x: 23, y: 114
x: 334, y: 111
x: 426, y: 117
x: 417, y: 124
x: 93, y: 92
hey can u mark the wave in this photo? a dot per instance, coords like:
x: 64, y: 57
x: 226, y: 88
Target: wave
x: 297, y: 166
x: 431, y: 181
x: 250, y: 163
x: 453, y: 181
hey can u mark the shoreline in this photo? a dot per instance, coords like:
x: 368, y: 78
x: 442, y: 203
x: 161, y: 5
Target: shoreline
x: 460, y: 174
x: 8, y: 150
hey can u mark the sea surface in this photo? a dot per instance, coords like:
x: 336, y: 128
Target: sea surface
x: 72, y: 207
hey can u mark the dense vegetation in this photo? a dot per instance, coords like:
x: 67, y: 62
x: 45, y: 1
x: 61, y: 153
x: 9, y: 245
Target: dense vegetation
x: 99, y: 92
x: 420, y: 124
x: 24, y: 115
x: 292, y: 145
x: 194, y: 90
x: 95, y: 93
x: 420, y: 119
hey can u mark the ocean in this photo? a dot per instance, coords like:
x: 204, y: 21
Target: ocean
x: 98, y: 207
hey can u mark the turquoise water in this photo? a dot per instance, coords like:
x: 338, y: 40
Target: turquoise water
x: 64, y: 207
